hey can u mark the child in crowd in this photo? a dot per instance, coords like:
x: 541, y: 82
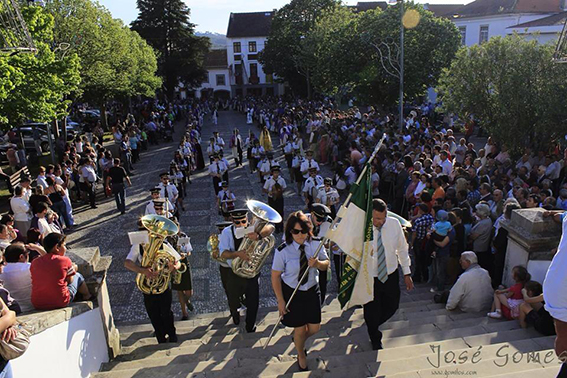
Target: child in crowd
x: 442, y: 227
x: 507, y: 301
x: 533, y: 312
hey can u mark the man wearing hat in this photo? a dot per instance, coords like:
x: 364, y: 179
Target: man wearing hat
x: 295, y: 172
x: 238, y: 287
x: 158, y: 306
x: 224, y: 269
x: 225, y: 201
x: 288, y: 152
x: 308, y: 164
x: 226, y: 164
x: 312, y: 184
x: 256, y: 154
x: 265, y: 166
x: 321, y: 220
x: 167, y: 189
x: 159, y: 207
x: 216, y: 171
x: 328, y: 196
x: 274, y: 187
x: 150, y: 209
x: 212, y: 149
x: 218, y: 140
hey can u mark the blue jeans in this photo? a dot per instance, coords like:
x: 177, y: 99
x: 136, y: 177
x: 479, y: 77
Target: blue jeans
x: 7, y: 372
x: 74, y: 287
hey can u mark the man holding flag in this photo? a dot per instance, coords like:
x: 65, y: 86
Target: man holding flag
x: 375, y: 244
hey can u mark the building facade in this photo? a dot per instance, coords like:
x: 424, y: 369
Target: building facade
x: 246, y: 38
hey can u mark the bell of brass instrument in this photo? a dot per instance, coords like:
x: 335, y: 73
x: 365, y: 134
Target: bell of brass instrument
x: 155, y: 256
x: 213, y: 248
x: 257, y: 250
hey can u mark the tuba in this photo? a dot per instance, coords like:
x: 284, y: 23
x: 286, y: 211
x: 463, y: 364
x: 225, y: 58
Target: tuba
x: 157, y: 255
x: 257, y: 250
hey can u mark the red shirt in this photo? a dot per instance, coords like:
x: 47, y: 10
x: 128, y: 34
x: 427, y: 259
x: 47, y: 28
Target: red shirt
x: 516, y: 291
x: 49, y: 286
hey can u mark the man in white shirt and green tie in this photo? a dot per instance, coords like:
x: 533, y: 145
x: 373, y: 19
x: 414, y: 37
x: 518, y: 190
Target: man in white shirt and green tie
x: 390, y: 249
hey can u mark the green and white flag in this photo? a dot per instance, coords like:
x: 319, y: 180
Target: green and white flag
x: 354, y: 235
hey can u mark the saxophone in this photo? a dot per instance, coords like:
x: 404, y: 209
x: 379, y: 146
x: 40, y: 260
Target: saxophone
x: 257, y: 250
x: 157, y: 255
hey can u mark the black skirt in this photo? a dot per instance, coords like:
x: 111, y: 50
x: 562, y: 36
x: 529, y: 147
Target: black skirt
x: 186, y: 279
x: 305, y: 308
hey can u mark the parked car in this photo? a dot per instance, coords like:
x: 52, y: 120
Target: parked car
x: 27, y: 135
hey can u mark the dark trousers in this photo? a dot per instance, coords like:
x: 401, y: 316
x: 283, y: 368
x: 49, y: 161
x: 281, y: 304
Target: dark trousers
x: 441, y: 271
x: 90, y: 189
x: 159, y: 310
x: 224, y: 273
x: 245, y: 290
x: 216, y: 182
x: 278, y: 205
x: 240, y: 158
x: 563, y: 371
x: 61, y: 209
x: 339, y: 261
x: 383, y: 307
x: 119, y: 196
x: 422, y: 261
x: 323, y: 284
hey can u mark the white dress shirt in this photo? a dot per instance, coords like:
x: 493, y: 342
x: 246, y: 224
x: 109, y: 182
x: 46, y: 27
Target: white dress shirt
x: 555, y: 282
x: 172, y: 192
x: 271, y: 182
x: 395, y: 247
x: 306, y: 164
x: 21, y: 209
x: 286, y: 261
x: 226, y: 243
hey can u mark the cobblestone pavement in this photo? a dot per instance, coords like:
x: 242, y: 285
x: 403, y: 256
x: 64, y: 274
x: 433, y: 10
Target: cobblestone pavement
x: 105, y: 228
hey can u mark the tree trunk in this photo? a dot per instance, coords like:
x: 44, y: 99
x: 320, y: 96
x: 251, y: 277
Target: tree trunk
x: 103, y: 119
x: 64, y: 129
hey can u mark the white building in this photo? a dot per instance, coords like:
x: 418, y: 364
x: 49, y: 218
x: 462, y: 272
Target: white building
x: 482, y: 19
x: 246, y: 37
x: 217, y: 84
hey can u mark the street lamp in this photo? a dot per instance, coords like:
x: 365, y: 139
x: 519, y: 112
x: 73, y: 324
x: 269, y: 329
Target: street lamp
x: 401, y: 2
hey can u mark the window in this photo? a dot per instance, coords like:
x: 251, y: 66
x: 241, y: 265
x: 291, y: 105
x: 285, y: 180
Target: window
x: 483, y: 34
x: 253, y: 70
x: 236, y: 47
x: 252, y: 46
x: 221, y: 80
x: 463, y: 31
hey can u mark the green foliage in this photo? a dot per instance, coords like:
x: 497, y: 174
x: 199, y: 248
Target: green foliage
x: 286, y: 54
x: 37, y: 86
x: 115, y: 61
x: 165, y: 25
x: 512, y: 88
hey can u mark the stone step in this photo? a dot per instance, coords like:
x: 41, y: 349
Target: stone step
x: 546, y: 372
x: 344, y: 336
x: 85, y: 258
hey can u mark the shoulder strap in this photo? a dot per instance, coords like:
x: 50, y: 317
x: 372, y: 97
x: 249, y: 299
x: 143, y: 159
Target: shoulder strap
x: 281, y: 247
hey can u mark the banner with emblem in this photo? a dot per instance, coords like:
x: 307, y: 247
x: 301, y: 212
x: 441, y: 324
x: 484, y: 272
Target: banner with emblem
x: 354, y: 235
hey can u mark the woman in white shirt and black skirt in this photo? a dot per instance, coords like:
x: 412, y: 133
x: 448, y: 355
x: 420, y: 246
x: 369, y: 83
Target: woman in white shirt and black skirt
x: 291, y: 259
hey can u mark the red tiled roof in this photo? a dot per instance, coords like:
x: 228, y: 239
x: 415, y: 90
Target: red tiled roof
x: 556, y: 19
x: 480, y: 8
x: 216, y: 59
x: 256, y: 24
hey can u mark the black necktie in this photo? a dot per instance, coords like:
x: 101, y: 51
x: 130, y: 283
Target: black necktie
x: 309, y: 164
x: 165, y: 191
x: 302, y: 265
x: 218, y: 169
x: 316, y: 230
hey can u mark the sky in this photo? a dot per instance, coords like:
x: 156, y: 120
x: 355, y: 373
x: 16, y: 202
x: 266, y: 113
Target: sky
x: 212, y: 15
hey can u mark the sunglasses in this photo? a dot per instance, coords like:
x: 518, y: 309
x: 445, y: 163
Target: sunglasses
x: 240, y: 221
x: 295, y: 231
x: 319, y: 219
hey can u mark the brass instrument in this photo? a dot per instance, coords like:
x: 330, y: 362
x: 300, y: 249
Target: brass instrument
x: 213, y: 248
x: 257, y: 250
x: 157, y: 255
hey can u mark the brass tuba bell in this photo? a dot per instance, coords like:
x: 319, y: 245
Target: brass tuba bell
x: 157, y: 255
x: 257, y: 250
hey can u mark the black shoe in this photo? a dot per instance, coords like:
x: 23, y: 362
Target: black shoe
x: 185, y: 317
x: 236, y: 318
x: 172, y: 339
x: 252, y: 330
x: 190, y: 306
x: 300, y: 368
x: 377, y: 346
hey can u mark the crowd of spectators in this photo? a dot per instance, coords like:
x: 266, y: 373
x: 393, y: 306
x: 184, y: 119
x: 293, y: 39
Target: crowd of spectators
x: 456, y: 193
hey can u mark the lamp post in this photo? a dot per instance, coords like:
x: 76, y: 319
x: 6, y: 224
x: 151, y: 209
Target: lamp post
x: 401, y: 110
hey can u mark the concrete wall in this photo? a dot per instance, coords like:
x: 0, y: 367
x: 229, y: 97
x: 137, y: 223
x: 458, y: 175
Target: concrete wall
x: 74, y: 348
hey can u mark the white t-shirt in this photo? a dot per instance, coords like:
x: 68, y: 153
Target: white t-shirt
x: 555, y: 282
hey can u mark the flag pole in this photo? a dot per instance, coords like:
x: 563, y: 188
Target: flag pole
x: 325, y: 238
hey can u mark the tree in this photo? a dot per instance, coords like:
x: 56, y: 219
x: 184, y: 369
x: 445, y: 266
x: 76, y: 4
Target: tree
x: 512, y: 88
x: 37, y: 86
x: 165, y: 25
x: 116, y: 62
x: 286, y: 54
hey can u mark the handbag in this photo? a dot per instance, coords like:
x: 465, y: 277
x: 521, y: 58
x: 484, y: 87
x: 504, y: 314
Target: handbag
x: 18, y: 345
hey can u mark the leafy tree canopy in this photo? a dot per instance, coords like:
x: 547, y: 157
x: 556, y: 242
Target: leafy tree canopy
x: 165, y: 25
x: 512, y: 88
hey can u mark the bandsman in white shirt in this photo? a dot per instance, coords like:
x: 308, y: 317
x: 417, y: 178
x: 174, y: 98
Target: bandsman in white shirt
x: 288, y: 153
x: 167, y: 189
x: 310, y: 187
x: 218, y: 140
x: 390, y: 250
x: 226, y: 166
x: 321, y: 221
x: 274, y: 187
x: 225, y: 201
x: 328, y: 196
x: 212, y: 149
x: 216, y: 171
x: 256, y: 155
x: 155, y: 193
x: 295, y: 172
x: 265, y: 166
x: 307, y: 164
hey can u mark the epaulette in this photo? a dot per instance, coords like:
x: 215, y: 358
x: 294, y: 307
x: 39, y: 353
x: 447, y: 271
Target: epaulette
x: 282, y: 246
x: 316, y: 238
x: 329, y: 219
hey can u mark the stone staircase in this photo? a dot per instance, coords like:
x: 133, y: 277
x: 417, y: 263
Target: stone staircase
x: 471, y: 344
